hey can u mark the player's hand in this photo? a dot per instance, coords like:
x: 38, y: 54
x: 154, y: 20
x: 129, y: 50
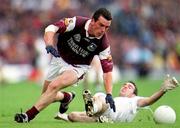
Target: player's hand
x: 52, y: 50
x: 110, y: 100
x: 169, y: 83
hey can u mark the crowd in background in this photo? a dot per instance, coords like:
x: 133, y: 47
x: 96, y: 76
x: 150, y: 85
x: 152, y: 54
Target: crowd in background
x: 144, y: 36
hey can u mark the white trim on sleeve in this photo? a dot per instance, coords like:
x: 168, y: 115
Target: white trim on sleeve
x: 51, y: 28
x: 71, y: 24
x: 105, y: 54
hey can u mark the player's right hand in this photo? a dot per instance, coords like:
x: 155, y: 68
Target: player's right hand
x: 169, y: 83
x: 52, y: 50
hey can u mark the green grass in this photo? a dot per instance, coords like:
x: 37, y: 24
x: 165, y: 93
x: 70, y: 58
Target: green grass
x: 23, y: 95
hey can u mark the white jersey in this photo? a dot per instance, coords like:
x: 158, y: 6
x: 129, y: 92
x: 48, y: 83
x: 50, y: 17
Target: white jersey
x: 126, y: 109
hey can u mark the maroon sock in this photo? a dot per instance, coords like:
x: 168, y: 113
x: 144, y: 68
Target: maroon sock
x: 31, y: 113
x: 67, y: 97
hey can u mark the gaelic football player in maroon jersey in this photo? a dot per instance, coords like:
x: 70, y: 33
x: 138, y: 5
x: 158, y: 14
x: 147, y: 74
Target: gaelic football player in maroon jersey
x: 79, y: 40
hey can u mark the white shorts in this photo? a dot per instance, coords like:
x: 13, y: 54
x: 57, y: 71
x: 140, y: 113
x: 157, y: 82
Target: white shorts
x: 58, y: 66
x: 101, y: 94
x: 108, y: 112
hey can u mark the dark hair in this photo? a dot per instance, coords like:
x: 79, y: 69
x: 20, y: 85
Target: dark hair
x: 135, y: 90
x: 102, y: 12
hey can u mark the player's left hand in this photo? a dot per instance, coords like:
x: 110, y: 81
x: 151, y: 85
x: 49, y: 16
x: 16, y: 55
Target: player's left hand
x: 169, y: 83
x: 110, y: 100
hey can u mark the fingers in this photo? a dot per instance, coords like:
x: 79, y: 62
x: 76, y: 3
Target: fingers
x: 167, y: 77
x: 175, y: 81
x: 110, y: 100
x: 114, y: 108
x: 172, y: 86
x: 170, y: 83
x: 52, y: 50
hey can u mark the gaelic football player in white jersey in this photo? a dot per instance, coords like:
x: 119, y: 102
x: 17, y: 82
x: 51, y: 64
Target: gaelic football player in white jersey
x: 127, y: 104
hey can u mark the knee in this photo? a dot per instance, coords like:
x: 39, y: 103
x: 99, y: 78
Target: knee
x: 53, y: 86
x: 58, y: 84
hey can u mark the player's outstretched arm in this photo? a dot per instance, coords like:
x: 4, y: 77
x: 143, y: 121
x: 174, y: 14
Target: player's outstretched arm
x: 168, y: 84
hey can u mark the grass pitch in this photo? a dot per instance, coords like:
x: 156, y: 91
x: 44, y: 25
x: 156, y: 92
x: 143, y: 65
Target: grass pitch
x: 23, y: 95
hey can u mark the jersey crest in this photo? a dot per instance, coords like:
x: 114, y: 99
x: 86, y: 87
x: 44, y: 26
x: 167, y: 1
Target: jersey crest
x: 77, y: 37
x: 92, y: 47
x: 67, y: 21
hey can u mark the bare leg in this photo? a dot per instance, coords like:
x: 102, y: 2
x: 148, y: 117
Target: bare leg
x: 58, y: 95
x: 81, y: 117
x: 45, y: 86
x: 50, y: 95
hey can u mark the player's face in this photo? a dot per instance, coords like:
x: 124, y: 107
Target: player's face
x: 127, y: 90
x: 100, y: 26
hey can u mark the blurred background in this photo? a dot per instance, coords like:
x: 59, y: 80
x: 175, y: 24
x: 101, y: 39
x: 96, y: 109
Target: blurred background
x: 144, y: 36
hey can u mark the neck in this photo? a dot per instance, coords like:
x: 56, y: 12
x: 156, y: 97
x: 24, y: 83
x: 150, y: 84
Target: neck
x: 90, y: 30
x: 132, y: 95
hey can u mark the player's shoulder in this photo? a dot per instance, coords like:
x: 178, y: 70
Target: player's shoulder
x: 136, y: 98
x: 127, y: 98
x: 80, y: 20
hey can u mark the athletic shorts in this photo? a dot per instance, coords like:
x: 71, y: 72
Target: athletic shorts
x: 58, y: 66
x: 101, y: 94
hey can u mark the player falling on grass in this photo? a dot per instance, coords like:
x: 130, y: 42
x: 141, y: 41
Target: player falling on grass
x: 79, y: 40
x: 127, y: 104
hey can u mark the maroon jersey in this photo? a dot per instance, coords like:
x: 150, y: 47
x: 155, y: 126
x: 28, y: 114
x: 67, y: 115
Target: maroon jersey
x: 75, y: 47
